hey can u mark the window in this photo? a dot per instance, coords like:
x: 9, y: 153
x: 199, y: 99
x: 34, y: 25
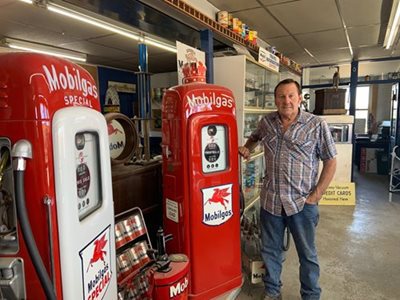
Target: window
x: 362, y: 104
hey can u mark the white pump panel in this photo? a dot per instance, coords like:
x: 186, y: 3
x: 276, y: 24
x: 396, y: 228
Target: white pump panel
x: 84, y: 204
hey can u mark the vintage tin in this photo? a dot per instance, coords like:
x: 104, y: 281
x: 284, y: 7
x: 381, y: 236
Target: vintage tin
x: 223, y: 18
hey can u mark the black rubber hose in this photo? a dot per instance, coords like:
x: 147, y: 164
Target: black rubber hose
x: 28, y: 237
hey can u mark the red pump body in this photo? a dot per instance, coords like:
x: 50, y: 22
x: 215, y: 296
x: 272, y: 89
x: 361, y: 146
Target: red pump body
x: 33, y: 88
x: 201, y: 185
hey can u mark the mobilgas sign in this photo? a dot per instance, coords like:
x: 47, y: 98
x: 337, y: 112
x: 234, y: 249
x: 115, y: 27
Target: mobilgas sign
x: 68, y: 80
x: 217, y: 204
x: 96, y: 266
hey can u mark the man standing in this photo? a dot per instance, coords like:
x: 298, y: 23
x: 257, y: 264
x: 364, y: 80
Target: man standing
x: 294, y: 141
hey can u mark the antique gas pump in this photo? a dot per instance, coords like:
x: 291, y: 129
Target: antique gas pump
x: 57, y: 219
x: 200, y: 182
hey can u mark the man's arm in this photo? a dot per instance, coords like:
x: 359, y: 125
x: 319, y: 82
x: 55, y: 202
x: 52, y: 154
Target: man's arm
x: 247, y: 148
x: 328, y: 171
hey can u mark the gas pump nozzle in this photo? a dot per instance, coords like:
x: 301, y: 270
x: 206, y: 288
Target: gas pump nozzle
x: 163, y: 260
x: 20, y: 152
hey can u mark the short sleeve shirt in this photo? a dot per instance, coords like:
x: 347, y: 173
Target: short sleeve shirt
x: 292, y: 159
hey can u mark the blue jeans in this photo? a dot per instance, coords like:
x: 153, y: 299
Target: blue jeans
x: 302, y: 227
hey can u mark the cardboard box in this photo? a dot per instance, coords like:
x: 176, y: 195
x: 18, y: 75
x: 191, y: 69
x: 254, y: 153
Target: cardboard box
x: 330, y: 102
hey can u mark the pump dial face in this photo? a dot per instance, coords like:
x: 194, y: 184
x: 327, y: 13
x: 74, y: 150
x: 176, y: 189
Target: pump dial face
x: 213, y: 145
x: 87, y: 170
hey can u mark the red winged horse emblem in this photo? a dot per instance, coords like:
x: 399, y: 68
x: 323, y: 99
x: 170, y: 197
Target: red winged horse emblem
x: 219, y: 197
x: 98, y: 252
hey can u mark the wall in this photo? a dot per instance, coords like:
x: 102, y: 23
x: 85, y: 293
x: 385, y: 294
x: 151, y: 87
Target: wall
x: 383, y: 102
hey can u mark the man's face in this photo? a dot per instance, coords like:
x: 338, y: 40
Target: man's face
x: 287, y: 100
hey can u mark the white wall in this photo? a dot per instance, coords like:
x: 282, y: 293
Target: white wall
x: 164, y: 80
x: 384, y: 102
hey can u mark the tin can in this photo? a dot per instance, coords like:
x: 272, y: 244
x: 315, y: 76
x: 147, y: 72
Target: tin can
x: 119, y: 234
x: 134, y: 257
x: 124, y: 264
x: 139, y: 225
x: 235, y: 25
x: 142, y: 250
x: 130, y: 228
x: 253, y: 37
x: 245, y: 31
x: 223, y: 18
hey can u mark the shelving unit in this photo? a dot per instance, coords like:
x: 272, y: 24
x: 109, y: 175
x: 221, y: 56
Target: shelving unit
x: 133, y: 261
x: 253, y: 86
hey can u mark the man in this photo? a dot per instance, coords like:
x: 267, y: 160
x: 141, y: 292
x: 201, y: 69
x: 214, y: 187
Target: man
x: 294, y: 141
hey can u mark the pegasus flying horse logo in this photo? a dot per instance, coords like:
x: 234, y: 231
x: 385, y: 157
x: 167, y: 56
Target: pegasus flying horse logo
x: 113, y: 130
x: 219, y: 197
x: 98, y: 252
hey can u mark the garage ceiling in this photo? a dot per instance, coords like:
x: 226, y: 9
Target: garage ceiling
x: 324, y: 28
x: 311, y: 32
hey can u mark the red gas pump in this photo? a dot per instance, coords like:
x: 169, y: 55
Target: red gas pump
x: 61, y: 245
x: 200, y: 182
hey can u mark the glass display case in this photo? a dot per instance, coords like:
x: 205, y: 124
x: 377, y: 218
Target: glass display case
x: 252, y: 175
x: 253, y: 86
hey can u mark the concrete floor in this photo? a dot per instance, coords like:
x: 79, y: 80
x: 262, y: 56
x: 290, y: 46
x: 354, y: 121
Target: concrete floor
x: 359, y: 248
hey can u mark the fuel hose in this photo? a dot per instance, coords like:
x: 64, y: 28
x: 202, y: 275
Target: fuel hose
x: 19, y: 172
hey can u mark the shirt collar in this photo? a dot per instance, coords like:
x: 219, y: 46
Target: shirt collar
x: 300, y: 118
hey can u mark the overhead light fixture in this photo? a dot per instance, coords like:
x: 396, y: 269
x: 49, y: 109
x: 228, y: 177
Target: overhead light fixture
x: 308, y: 52
x: 393, y: 25
x: 107, y: 26
x: 44, y: 49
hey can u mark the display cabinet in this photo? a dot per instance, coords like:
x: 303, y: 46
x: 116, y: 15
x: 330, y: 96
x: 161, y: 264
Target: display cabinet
x: 253, y: 86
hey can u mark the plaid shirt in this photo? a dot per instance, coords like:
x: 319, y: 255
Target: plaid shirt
x: 292, y: 160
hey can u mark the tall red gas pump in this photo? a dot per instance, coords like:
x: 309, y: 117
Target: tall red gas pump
x: 201, y: 184
x: 57, y: 218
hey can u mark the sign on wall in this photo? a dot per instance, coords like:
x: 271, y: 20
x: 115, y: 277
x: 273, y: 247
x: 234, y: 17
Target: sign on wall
x: 268, y: 59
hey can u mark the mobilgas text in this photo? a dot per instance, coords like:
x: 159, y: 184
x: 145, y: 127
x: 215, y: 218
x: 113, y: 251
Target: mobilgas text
x: 70, y: 80
x: 210, y: 98
x: 97, y: 285
x: 179, y: 288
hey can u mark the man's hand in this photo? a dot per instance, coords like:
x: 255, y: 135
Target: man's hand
x: 313, y: 198
x: 244, y: 151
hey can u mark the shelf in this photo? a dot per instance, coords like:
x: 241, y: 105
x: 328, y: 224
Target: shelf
x: 252, y: 89
x: 256, y: 110
x: 134, y: 274
x: 225, y: 33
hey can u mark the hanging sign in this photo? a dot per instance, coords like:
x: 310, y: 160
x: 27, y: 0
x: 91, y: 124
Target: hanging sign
x: 339, y: 193
x: 268, y: 59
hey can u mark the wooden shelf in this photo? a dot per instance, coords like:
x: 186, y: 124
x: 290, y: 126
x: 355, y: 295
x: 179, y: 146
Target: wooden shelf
x: 189, y: 10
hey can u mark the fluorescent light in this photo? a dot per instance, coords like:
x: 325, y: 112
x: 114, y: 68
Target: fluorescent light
x: 308, y: 52
x: 92, y: 21
x: 107, y: 26
x: 160, y: 45
x: 33, y: 47
x: 394, y: 27
x: 27, y: 1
